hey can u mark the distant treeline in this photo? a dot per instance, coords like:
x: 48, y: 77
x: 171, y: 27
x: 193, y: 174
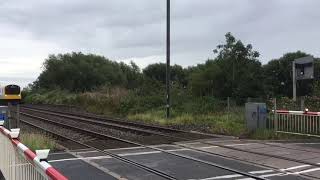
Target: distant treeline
x: 235, y: 72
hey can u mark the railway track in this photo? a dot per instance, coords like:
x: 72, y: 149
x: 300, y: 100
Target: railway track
x: 125, y: 125
x: 184, y: 136
x: 102, y: 137
x: 160, y: 132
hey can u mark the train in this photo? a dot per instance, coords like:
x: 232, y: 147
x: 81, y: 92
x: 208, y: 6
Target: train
x: 10, y: 93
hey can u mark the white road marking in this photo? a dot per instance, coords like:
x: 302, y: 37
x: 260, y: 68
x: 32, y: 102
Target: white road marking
x: 207, y: 147
x: 122, y: 154
x: 270, y: 175
x: 82, y: 158
x: 306, y: 171
x: 238, y: 175
x: 295, y: 167
x: 127, y: 148
x: 246, y: 144
x: 261, y: 172
x: 221, y: 177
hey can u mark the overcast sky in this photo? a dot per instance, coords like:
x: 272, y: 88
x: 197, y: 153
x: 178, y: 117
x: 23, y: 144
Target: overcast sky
x: 125, y: 30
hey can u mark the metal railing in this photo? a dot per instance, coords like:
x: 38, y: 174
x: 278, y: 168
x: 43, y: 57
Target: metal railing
x: 295, y: 122
x: 17, y: 162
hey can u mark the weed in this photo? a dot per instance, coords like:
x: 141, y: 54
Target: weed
x: 37, y: 141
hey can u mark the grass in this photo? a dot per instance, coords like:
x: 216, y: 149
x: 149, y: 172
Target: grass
x: 37, y: 141
x: 218, y: 123
x: 224, y: 123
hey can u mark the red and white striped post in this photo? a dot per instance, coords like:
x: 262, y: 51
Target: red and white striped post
x: 18, y: 162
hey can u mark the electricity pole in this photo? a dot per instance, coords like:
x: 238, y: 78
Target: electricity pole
x: 168, y: 61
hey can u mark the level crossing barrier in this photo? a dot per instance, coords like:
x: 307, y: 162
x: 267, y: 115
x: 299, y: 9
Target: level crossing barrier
x: 17, y: 162
x: 295, y: 122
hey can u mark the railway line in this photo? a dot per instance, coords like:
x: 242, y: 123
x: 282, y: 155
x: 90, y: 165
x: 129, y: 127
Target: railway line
x: 100, y: 137
x: 183, y: 136
x: 125, y: 125
x: 93, y: 138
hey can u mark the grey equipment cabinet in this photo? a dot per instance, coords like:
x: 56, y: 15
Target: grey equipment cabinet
x: 256, y: 115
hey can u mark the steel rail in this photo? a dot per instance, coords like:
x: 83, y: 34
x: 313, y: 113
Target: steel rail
x: 154, y: 148
x: 242, y: 150
x: 112, y: 125
x: 121, y: 121
x: 236, y: 149
x: 128, y: 161
x: 178, y: 145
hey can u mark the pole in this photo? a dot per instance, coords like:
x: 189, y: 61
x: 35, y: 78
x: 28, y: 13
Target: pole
x: 294, y: 81
x: 275, y: 125
x: 18, y: 115
x: 168, y: 61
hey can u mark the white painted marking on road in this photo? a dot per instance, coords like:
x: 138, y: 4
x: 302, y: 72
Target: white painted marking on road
x: 306, y: 171
x: 127, y: 148
x: 261, y: 172
x: 246, y: 144
x: 84, y: 158
x: 270, y: 175
x: 221, y: 177
x: 189, y: 143
x: 251, y: 172
x: 295, y: 167
x: 208, y: 147
x: 122, y: 154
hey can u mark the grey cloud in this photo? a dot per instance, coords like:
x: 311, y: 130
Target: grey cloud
x: 126, y: 28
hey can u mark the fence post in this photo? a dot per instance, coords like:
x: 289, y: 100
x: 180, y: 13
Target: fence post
x: 18, y: 115
x: 302, y: 104
x: 275, y: 114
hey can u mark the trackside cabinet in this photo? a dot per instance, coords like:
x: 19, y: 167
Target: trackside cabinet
x: 256, y: 115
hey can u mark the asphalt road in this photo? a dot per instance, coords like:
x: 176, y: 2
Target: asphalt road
x: 88, y: 164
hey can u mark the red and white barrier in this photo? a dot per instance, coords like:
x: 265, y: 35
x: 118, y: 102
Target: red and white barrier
x: 18, y: 162
x: 298, y: 112
x: 296, y: 122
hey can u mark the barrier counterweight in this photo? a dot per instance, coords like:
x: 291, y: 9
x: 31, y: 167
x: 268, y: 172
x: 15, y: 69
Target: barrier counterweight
x: 17, y: 162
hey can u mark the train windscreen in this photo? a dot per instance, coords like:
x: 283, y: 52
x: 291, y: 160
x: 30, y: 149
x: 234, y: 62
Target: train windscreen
x: 12, y: 90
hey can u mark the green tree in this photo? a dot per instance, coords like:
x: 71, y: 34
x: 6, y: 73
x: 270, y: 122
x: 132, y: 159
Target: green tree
x: 157, y: 72
x: 78, y: 72
x: 206, y: 79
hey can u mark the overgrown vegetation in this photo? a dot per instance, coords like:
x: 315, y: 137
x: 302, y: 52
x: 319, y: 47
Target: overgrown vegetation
x: 37, y: 141
x: 198, y: 94
x: 220, y: 122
